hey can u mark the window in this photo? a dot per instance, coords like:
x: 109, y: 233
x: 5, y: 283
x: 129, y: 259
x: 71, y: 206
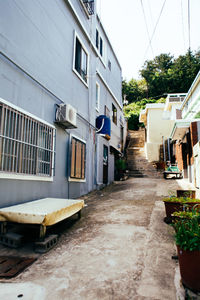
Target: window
x: 109, y: 65
x: 101, y: 47
x: 81, y: 60
x: 99, y: 43
x: 89, y: 6
x: 26, y: 144
x: 97, y: 95
x: 97, y: 39
x: 78, y: 155
x: 114, y: 114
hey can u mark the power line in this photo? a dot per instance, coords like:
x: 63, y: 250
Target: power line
x: 189, y: 22
x: 182, y: 18
x: 146, y: 26
x: 149, y: 4
x: 154, y: 29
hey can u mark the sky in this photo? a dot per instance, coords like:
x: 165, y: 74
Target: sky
x: 130, y: 24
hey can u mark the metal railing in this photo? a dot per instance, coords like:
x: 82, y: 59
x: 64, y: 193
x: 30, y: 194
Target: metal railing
x: 89, y: 5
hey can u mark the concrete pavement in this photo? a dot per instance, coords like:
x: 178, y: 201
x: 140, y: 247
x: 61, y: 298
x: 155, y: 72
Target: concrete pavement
x: 120, y: 249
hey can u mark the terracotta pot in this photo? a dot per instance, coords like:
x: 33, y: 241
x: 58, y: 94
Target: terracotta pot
x: 189, y: 262
x: 171, y: 207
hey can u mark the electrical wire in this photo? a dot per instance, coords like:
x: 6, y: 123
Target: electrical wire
x: 154, y: 29
x: 183, y: 31
x: 145, y: 20
x: 150, y: 11
x: 189, y: 23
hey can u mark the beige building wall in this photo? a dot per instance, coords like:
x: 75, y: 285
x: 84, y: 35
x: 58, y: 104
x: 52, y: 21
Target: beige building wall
x: 156, y: 129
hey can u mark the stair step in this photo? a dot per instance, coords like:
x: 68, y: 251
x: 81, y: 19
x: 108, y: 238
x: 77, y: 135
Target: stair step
x: 137, y: 163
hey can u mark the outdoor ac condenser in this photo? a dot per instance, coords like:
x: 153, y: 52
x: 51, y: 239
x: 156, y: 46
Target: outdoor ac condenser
x: 66, y: 116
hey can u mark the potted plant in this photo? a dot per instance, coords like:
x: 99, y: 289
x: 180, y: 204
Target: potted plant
x: 173, y: 204
x: 186, y: 193
x: 187, y: 235
x: 120, y: 166
x: 186, y: 214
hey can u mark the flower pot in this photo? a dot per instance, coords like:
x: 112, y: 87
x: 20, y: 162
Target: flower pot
x: 189, y: 262
x: 171, y: 207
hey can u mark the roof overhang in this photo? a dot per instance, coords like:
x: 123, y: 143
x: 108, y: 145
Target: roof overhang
x: 180, y: 129
x: 144, y: 112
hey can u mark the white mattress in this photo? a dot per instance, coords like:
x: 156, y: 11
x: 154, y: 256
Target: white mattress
x: 47, y: 211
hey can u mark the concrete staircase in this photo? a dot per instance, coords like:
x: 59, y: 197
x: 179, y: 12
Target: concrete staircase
x: 137, y: 163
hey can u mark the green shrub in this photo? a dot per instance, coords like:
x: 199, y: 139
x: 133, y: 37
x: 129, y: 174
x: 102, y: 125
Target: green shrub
x: 186, y: 214
x: 187, y: 234
x: 181, y: 200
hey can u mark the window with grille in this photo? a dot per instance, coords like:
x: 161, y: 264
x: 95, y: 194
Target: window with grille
x: 26, y: 144
x: 78, y: 157
x: 89, y: 6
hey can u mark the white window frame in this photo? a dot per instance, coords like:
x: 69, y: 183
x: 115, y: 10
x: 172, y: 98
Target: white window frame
x: 71, y: 179
x: 102, y: 57
x: 76, y: 36
x: 22, y: 175
x: 97, y: 96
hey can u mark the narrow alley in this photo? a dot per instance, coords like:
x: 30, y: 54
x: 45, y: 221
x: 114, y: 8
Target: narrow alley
x: 119, y: 249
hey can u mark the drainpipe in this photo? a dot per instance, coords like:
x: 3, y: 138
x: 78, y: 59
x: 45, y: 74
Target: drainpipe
x: 169, y: 154
x: 164, y: 154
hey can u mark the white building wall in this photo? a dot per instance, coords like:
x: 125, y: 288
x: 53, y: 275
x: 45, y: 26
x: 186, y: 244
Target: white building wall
x: 196, y: 172
x: 156, y: 129
x: 192, y: 106
x: 36, y: 63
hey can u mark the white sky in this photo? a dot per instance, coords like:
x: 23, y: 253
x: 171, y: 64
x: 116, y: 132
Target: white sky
x: 125, y: 26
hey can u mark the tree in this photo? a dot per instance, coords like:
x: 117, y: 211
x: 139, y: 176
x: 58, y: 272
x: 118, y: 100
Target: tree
x: 164, y: 74
x: 185, y: 69
x: 160, y: 76
x: 134, y: 90
x: 156, y: 74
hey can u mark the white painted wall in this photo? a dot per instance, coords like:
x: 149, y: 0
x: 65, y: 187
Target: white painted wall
x: 196, y: 172
x: 192, y: 106
x: 156, y: 126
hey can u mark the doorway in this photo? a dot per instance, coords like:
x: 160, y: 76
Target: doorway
x: 105, y: 164
x: 184, y: 156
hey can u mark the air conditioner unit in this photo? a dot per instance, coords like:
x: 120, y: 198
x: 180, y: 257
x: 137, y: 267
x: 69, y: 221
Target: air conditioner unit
x: 66, y: 116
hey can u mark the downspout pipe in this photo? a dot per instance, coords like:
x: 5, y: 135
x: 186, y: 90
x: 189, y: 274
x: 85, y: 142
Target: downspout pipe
x: 164, y: 154
x: 169, y: 152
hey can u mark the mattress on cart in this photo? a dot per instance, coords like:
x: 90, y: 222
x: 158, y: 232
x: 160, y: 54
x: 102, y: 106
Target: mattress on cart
x: 47, y: 211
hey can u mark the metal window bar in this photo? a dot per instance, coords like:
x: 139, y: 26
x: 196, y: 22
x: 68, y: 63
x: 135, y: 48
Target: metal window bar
x: 26, y: 145
x: 89, y: 5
